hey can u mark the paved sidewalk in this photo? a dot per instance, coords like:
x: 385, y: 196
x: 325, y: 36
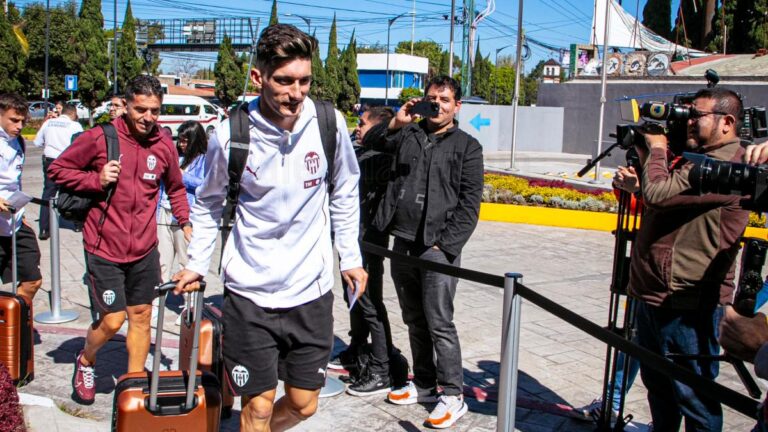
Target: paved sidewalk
x: 559, y: 365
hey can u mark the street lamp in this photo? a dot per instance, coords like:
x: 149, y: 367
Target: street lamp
x: 390, y: 21
x: 496, y: 65
x: 47, y: 44
x: 305, y: 19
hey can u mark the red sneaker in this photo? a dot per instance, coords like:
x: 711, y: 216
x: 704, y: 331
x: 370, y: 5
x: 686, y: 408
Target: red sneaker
x: 83, y: 382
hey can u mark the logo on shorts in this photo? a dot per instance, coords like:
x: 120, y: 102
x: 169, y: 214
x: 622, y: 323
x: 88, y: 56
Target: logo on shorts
x: 321, y: 371
x: 109, y: 297
x: 151, y: 162
x: 240, y: 375
x: 312, y: 162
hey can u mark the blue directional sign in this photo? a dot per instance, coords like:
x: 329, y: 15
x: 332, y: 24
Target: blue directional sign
x: 479, y: 122
x: 70, y: 82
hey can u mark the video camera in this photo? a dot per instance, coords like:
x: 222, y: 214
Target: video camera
x: 730, y: 178
x: 674, y: 118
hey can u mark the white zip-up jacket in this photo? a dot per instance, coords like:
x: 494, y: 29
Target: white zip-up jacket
x: 279, y: 253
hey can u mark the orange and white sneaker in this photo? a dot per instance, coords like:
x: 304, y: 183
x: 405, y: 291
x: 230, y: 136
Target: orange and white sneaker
x: 448, y: 410
x: 411, y: 394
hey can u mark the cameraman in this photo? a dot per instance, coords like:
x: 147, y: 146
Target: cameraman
x: 682, y: 267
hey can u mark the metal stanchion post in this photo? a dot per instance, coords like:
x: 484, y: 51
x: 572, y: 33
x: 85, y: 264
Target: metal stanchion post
x: 56, y: 315
x: 510, y: 344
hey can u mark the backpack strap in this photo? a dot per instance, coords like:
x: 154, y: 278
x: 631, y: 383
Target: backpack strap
x: 239, y: 141
x: 326, y: 121
x: 113, y: 154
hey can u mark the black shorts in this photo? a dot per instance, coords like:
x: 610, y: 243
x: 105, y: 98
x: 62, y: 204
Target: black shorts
x: 262, y: 345
x: 27, y: 256
x: 115, y: 286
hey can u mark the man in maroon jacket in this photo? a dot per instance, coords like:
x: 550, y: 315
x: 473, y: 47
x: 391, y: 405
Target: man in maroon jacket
x: 121, y: 247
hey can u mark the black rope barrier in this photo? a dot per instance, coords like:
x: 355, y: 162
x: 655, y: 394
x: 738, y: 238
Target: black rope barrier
x: 739, y: 402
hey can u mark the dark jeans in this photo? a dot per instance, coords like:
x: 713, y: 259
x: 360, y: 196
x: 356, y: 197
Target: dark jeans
x: 369, y: 316
x: 667, y: 331
x: 426, y: 299
x: 49, y: 191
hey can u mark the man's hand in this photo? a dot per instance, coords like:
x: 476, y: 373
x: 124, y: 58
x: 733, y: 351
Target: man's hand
x: 756, y: 154
x: 654, y: 136
x: 187, y: 232
x: 741, y: 336
x: 356, y: 275
x: 403, y: 116
x: 626, y: 179
x: 109, y: 173
x: 5, y: 206
x: 186, y: 281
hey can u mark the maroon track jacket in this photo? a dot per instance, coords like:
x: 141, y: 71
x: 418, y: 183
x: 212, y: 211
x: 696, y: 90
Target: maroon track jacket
x: 130, y: 227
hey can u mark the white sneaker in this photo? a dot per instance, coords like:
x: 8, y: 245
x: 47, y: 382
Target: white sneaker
x: 448, y: 410
x: 411, y: 394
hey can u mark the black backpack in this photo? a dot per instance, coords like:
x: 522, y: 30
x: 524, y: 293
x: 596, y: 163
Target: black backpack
x: 73, y: 205
x: 240, y: 139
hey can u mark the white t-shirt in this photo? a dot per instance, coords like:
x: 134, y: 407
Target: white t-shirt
x: 56, y: 135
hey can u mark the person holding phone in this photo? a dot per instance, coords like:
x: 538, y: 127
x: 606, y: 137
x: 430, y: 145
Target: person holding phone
x: 431, y: 207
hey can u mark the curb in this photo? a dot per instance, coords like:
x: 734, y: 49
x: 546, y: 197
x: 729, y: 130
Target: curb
x: 563, y: 218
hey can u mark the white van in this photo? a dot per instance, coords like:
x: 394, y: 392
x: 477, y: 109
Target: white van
x: 178, y: 109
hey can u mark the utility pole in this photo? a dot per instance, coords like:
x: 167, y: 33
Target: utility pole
x: 46, y: 92
x: 413, y: 24
x: 518, y: 72
x: 466, y: 48
x: 114, y: 48
x: 450, y: 48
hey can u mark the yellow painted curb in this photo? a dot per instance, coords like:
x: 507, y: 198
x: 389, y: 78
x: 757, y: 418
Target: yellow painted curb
x: 564, y: 218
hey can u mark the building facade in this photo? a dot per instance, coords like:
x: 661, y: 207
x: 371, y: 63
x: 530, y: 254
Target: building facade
x: 404, y: 71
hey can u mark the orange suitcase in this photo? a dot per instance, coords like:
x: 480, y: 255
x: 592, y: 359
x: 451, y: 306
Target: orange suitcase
x: 17, y: 337
x: 211, y: 355
x: 168, y: 400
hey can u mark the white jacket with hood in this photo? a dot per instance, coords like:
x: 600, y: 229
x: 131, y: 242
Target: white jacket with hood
x: 279, y: 253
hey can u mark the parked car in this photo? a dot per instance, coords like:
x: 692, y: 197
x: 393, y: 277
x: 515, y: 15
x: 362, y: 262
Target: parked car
x: 177, y: 109
x: 37, y: 109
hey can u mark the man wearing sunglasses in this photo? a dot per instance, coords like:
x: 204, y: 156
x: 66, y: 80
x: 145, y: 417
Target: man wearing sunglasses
x: 682, y: 266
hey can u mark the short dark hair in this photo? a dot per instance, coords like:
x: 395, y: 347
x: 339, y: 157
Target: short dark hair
x: 380, y: 113
x: 14, y: 101
x: 280, y: 43
x: 445, y: 81
x: 145, y: 85
x: 727, y: 101
x: 69, y: 109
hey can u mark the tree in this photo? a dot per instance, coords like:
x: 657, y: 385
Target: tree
x: 61, y: 58
x: 318, y: 89
x: 128, y: 61
x: 91, y: 56
x: 273, y: 16
x: 748, y: 30
x: 350, y: 84
x: 481, y: 76
x: 409, y: 93
x: 444, y: 63
x: 656, y: 14
x: 333, y: 70
x: 229, y: 76
x: 503, y: 84
x: 424, y: 48
x: 11, y: 58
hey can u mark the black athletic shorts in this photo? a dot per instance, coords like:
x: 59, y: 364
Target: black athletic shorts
x: 115, y: 286
x: 262, y: 345
x: 27, y: 256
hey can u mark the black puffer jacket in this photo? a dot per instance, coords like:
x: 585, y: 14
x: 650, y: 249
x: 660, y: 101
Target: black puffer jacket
x: 454, y: 183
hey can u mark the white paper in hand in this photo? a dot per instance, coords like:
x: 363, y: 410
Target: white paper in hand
x: 352, y: 294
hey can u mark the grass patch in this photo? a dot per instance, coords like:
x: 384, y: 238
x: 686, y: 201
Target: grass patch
x: 75, y: 411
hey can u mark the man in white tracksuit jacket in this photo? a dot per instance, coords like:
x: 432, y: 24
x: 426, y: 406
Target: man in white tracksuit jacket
x: 278, y: 263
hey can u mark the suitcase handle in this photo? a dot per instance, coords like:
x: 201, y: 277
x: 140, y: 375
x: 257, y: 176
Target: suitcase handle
x: 163, y: 290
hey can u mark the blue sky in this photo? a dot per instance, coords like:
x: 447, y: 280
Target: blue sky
x: 555, y: 22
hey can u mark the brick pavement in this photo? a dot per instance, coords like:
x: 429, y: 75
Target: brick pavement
x: 559, y: 365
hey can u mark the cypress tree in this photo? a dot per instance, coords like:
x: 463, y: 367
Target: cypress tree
x: 481, y: 75
x: 273, y: 16
x: 444, y: 64
x: 11, y: 58
x: 333, y: 71
x: 229, y: 76
x: 318, y: 88
x: 129, y: 64
x: 91, y: 56
x: 656, y: 14
x: 350, y: 83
